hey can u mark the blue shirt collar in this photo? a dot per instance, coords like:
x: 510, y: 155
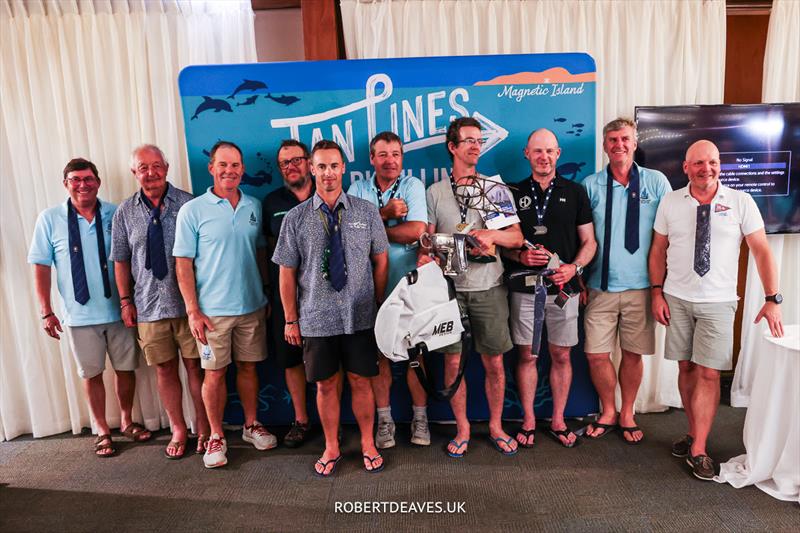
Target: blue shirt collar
x: 212, y: 198
x: 616, y: 183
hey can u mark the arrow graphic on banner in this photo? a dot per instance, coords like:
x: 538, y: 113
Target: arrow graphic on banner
x: 493, y: 134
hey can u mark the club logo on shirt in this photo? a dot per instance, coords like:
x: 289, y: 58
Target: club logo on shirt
x: 525, y: 202
x: 253, y: 220
x: 562, y: 199
x: 720, y: 208
x: 357, y: 225
x: 644, y: 197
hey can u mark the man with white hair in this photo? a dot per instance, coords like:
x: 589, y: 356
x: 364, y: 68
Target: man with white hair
x: 142, y: 238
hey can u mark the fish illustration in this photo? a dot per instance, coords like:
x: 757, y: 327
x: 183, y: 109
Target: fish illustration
x: 258, y: 179
x: 249, y: 101
x: 570, y: 132
x: 570, y: 170
x: 559, y: 119
x: 577, y: 135
x: 212, y: 103
x: 206, y: 153
x: 580, y: 130
x: 283, y: 99
x: 248, y: 85
x: 578, y: 125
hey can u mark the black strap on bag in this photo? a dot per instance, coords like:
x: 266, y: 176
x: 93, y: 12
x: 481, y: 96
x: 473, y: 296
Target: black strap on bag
x: 418, y: 352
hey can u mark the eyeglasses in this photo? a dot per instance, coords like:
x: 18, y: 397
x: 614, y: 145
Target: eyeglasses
x: 472, y: 141
x: 293, y: 161
x: 89, y: 180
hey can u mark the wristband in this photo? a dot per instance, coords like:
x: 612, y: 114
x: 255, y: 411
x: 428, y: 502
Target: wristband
x: 48, y: 315
x: 292, y: 322
x: 656, y: 287
x: 124, y: 298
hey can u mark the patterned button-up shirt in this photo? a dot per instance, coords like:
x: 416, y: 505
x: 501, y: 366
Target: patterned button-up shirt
x: 323, y: 311
x: 155, y: 299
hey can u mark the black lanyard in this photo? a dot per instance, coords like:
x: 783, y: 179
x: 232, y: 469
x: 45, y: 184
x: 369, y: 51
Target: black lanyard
x: 462, y: 207
x: 534, y: 188
x: 391, y: 195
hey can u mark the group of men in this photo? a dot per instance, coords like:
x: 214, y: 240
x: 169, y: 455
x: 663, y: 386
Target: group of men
x: 189, y: 277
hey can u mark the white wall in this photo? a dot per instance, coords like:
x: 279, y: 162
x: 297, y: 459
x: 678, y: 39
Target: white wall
x: 279, y: 35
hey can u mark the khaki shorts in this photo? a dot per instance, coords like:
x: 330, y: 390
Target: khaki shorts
x: 90, y: 344
x: 700, y: 332
x: 161, y: 340
x: 488, y: 318
x: 240, y: 338
x: 562, y: 324
x: 626, y: 314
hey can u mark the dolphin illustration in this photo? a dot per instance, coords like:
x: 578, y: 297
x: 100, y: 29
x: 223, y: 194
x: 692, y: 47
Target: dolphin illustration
x: 248, y: 85
x: 283, y: 99
x: 212, y: 103
x: 578, y: 125
x: 570, y: 170
x: 249, y: 101
x: 559, y: 119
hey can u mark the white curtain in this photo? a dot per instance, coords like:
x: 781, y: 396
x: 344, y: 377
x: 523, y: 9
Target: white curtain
x: 781, y: 84
x: 665, y: 52
x: 90, y: 78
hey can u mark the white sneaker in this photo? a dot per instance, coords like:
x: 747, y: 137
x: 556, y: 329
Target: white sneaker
x: 420, y: 434
x: 384, y: 438
x: 258, y: 436
x: 215, y: 452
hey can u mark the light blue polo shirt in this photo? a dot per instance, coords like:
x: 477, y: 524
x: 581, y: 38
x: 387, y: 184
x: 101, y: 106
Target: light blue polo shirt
x: 50, y: 246
x: 402, y: 257
x: 222, y: 242
x: 626, y: 271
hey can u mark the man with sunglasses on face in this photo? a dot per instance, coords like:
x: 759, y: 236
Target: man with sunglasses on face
x: 75, y: 237
x: 298, y: 186
x: 479, y: 290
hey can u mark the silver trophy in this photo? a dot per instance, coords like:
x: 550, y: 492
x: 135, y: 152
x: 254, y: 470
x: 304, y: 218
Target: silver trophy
x: 450, y: 248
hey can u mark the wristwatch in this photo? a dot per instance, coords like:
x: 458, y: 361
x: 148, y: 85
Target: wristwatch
x: 775, y: 298
x: 578, y: 269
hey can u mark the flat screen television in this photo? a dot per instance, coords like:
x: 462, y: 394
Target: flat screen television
x: 759, y: 148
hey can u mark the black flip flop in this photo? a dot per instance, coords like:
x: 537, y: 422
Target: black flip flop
x: 623, y: 430
x: 526, y: 434
x: 607, y: 428
x: 556, y: 433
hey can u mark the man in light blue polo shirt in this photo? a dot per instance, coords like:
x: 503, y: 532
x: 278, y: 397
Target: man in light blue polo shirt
x: 619, y: 285
x: 76, y: 237
x: 401, y: 203
x: 217, y: 238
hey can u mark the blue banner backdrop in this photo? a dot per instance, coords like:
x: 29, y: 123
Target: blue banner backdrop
x: 258, y: 105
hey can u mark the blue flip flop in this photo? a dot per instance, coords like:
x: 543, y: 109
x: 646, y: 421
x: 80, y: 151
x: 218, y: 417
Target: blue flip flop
x: 458, y: 446
x: 325, y: 464
x: 496, y: 442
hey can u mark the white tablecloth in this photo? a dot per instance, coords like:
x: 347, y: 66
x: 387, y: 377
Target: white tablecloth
x: 772, y: 424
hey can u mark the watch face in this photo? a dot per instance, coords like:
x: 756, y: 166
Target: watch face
x: 778, y: 298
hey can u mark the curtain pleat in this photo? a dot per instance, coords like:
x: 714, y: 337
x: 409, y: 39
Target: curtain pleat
x: 781, y: 83
x: 89, y: 78
x: 659, y: 52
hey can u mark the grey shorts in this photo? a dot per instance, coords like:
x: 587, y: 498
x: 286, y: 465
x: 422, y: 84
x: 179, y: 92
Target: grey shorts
x: 562, y: 324
x: 700, y: 332
x: 488, y: 318
x: 90, y: 344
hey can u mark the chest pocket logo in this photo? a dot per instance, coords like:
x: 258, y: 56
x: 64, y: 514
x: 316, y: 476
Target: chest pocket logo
x: 253, y: 220
x: 525, y: 202
x: 357, y: 225
x: 644, y: 198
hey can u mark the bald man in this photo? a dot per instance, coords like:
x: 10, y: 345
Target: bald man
x: 555, y: 214
x: 698, y: 232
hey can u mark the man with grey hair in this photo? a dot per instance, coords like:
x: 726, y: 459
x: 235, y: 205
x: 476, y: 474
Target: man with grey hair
x: 624, y: 198
x: 697, y: 236
x: 142, y: 238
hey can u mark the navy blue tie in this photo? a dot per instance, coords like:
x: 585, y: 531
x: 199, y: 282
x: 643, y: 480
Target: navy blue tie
x: 79, y: 283
x: 337, y: 270
x: 632, y: 213
x: 702, y: 240
x: 155, y: 255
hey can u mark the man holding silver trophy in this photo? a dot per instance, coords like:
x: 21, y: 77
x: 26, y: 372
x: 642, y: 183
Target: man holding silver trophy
x: 467, y: 203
